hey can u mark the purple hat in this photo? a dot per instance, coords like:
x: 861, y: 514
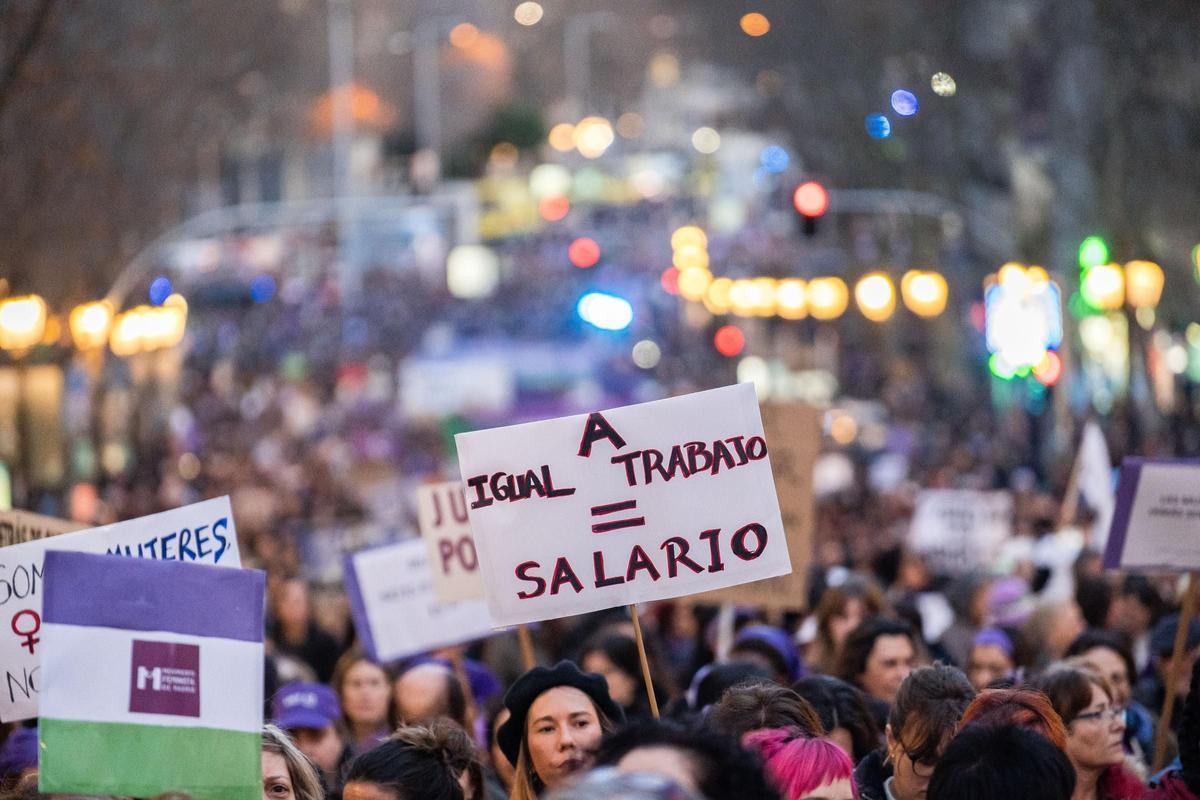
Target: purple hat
x: 305, y: 705
x: 996, y: 638
x: 775, y: 641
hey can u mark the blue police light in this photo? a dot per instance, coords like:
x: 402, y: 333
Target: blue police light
x: 605, y: 311
x: 160, y: 290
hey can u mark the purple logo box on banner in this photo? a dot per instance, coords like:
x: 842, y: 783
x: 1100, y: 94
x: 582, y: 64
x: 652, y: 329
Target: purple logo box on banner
x: 165, y: 679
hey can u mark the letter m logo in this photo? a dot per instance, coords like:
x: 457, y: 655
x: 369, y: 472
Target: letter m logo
x: 152, y: 675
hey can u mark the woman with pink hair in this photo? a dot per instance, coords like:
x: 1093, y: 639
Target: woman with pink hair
x: 802, y: 768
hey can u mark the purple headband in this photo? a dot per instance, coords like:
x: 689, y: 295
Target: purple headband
x: 996, y: 638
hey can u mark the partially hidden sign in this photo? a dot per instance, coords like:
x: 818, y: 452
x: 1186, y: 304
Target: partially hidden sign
x: 640, y: 503
x: 1156, y: 522
x: 958, y: 530
x: 17, y: 527
x: 396, y: 611
x: 200, y: 533
x: 794, y: 433
x: 446, y: 529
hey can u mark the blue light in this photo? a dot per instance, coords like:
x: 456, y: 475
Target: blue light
x: 262, y: 288
x: 605, y: 311
x: 878, y: 126
x: 774, y: 159
x: 904, y: 102
x: 160, y: 290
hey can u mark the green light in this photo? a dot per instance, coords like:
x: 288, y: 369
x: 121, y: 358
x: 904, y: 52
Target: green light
x: 1092, y: 251
x: 1001, y: 368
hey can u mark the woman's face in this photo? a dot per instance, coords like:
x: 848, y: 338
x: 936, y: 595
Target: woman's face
x: 910, y: 778
x: 987, y: 663
x: 621, y: 685
x: 277, y: 781
x: 846, y: 620
x: 366, y: 695
x: 1094, y: 736
x: 840, y: 789
x: 1112, y: 666
x: 562, y: 732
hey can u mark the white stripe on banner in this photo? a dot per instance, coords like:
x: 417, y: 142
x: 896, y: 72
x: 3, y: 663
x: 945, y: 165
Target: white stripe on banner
x: 88, y: 675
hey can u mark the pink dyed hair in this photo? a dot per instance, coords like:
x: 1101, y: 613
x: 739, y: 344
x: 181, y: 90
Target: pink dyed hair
x: 796, y: 764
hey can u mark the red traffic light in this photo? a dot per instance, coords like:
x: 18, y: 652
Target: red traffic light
x: 811, y: 199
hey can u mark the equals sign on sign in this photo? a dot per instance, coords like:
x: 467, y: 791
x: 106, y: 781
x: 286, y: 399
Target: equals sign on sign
x: 616, y: 524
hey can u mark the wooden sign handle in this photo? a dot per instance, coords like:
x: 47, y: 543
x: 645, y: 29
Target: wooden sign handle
x: 526, y: 643
x: 641, y: 646
x: 1185, y: 620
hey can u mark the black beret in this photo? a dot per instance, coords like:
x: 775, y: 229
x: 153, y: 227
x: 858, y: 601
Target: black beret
x: 530, y: 686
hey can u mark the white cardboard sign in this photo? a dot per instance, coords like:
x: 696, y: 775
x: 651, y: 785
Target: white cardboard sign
x: 396, y: 611
x: 446, y: 529
x: 645, y: 502
x: 201, y: 533
x: 1156, y: 523
x: 957, y: 530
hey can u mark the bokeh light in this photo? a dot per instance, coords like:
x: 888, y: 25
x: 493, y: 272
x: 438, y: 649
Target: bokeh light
x: 1143, y: 284
x: 583, y: 252
x: 1093, y: 251
x: 943, y: 85
x: 693, y: 283
x: 664, y: 70
x: 464, y: 35
x: 1196, y: 262
x: 605, y: 311
x: 528, y: 13
x: 755, y: 24
x: 827, y: 298
x: 631, y: 125
x: 1103, y: 286
x: 160, y: 290
x: 791, y: 299
x: 688, y: 236
x: 717, y: 296
x: 811, y: 199
x: 669, y: 280
x: 562, y: 137
x: 876, y: 296
x: 878, y: 126
x: 262, y: 288
x: 843, y: 428
x: 904, y: 102
x: 593, y: 136
x: 646, y: 354
x: 472, y: 271
x: 924, y: 293
x: 690, y: 256
x: 549, y: 179
x: 554, y: 207
x: 504, y: 154
x: 706, y: 140
x: 729, y: 340
x: 1049, y: 369
x: 774, y: 159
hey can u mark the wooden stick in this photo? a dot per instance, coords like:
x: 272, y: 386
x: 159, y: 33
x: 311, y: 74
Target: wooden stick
x: 641, y: 646
x: 460, y: 672
x: 1185, y: 620
x: 725, y: 625
x: 1070, y: 501
x: 526, y: 642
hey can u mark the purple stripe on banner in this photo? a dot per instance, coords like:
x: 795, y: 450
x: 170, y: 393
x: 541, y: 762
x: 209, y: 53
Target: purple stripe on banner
x: 358, y: 609
x: 1127, y: 483
x: 142, y: 594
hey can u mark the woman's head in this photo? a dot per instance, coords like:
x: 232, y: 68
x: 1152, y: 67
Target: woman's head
x: 844, y: 713
x: 364, y: 692
x: 801, y: 767
x: 1108, y: 653
x: 923, y: 720
x: 771, y: 648
x: 1002, y: 762
x: 703, y: 762
x: 755, y: 706
x: 557, y: 718
x: 992, y: 657
x: 1024, y: 708
x: 286, y: 773
x: 1084, y: 701
x: 615, y: 656
x: 877, y: 656
x: 843, y: 608
x: 416, y: 763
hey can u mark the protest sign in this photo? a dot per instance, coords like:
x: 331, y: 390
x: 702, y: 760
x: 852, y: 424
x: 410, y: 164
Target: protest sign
x: 640, y: 503
x: 17, y: 527
x: 793, y: 431
x: 446, y: 529
x: 202, y: 532
x: 1157, y: 517
x: 957, y: 530
x: 396, y: 611
x: 153, y: 678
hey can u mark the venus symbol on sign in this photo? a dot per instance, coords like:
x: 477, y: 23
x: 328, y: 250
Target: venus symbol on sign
x: 31, y: 629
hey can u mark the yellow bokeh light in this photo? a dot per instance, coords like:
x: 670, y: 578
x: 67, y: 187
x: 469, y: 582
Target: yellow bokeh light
x: 690, y: 256
x: 716, y: 299
x: 693, y: 283
x: 755, y: 24
x: 528, y: 13
x: 791, y: 299
x: 875, y: 296
x: 90, y: 324
x: 688, y: 236
x: 741, y: 297
x: 924, y: 293
x: 562, y: 137
x: 631, y: 125
x: 664, y: 70
x: 593, y: 136
x: 464, y: 35
x: 827, y: 298
x: 1103, y: 286
x: 706, y: 140
x: 842, y: 428
x: 22, y: 322
x: 764, y: 296
x: 1143, y: 284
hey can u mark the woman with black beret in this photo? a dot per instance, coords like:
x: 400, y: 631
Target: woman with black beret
x: 558, y: 717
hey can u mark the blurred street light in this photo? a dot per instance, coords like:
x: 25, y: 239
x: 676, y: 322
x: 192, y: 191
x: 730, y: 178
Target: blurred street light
x: 22, y: 322
x: 755, y: 24
x: 791, y: 299
x: 592, y: 136
x: 528, y: 13
x: 1092, y: 252
x: 924, y: 293
x: 1143, y: 284
x: 827, y: 298
x: 472, y: 271
x: 1103, y: 286
x: 90, y: 324
x: 876, y: 296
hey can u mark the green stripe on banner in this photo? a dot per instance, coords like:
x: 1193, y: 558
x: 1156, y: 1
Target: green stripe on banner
x: 113, y: 758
